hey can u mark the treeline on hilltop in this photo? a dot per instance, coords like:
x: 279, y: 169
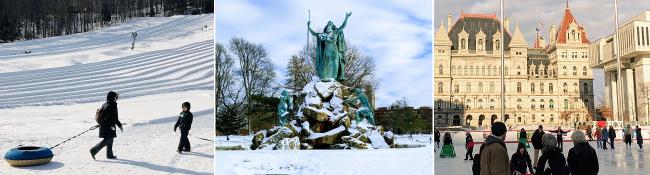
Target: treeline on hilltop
x: 33, y: 19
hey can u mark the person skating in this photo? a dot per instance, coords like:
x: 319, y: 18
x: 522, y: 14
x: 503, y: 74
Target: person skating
x: 446, y: 139
x: 436, y: 136
x: 184, y: 122
x: 612, y: 136
x: 520, y: 162
x: 523, y: 137
x: 598, y: 137
x: 536, y: 139
x: 627, y: 136
x: 494, y: 154
x: 560, y: 133
x: 469, y: 146
x: 639, y: 137
x: 605, y: 136
x: 107, y: 119
x: 582, y: 158
x: 551, y: 155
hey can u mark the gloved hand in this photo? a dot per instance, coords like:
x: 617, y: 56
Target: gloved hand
x: 174, y: 129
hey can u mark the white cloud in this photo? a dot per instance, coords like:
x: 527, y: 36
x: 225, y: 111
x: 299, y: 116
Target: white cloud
x: 396, y: 33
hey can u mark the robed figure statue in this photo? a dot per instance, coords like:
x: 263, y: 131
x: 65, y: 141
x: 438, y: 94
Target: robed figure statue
x: 330, y: 51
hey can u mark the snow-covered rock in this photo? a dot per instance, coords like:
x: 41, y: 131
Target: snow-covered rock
x: 288, y: 144
x: 377, y: 140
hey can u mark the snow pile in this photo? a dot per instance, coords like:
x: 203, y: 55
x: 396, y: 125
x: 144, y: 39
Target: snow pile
x: 326, y: 120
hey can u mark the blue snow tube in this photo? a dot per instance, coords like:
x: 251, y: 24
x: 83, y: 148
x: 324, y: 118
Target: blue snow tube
x: 28, y: 156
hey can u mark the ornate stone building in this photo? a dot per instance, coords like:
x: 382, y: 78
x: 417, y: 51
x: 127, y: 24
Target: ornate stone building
x: 635, y: 69
x: 545, y: 84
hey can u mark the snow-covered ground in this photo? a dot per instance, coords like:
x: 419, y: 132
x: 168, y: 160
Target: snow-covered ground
x: 617, y: 161
x: 412, y: 161
x: 52, y: 93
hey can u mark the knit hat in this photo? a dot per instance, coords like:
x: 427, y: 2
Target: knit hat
x: 498, y: 128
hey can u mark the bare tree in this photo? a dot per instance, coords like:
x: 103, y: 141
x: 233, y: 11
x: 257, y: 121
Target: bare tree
x: 255, y: 70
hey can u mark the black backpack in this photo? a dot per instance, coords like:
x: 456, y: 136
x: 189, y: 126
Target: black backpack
x: 476, y: 164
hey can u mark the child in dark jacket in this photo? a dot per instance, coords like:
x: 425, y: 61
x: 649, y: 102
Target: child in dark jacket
x: 184, y: 122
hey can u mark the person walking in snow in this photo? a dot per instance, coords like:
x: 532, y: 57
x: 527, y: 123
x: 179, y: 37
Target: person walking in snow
x: 520, y: 161
x: 107, y: 118
x: 639, y: 137
x: 536, y: 139
x: 494, y: 154
x: 627, y: 136
x: 605, y: 136
x: 612, y: 136
x: 598, y: 134
x: 469, y: 146
x: 184, y: 122
x: 582, y: 158
x: 551, y: 155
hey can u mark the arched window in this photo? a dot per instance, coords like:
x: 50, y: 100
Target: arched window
x: 440, y: 69
x: 518, y: 103
x: 532, y: 104
x: 541, y: 88
x: 551, y: 104
x: 550, y: 88
x: 566, y: 88
x: 532, y: 87
x: 456, y: 104
x: 439, y: 104
x: 584, y: 70
x: 491, y: 103
x: 532, y: 118
x: 518, y: 87
x: 468, y: 104
x: 563, y: 70
x: 492, y: 87
x: 498, y: 45
x: 480, y: 103
x: 480, y: 44
x: 541, y: 104
x: 575, y: 71
x: 566, y: 104
x: 440, y: 88
x: 462, y: 44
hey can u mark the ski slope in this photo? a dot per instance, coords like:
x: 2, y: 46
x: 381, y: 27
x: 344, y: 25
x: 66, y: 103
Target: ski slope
x: 52, y: 93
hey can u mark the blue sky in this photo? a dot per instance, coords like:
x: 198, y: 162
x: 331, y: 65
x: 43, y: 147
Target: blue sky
x: 396, y: 33
x: 597, y: 16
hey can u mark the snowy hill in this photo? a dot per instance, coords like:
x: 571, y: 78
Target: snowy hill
x: 52, y: 93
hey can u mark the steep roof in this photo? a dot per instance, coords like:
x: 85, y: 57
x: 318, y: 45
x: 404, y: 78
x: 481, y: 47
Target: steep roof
x: 441, y: 37
x: 473, y: 24
x: 564, y: 26
x: 518, y: 39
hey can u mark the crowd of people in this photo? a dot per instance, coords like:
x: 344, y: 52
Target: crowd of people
x: 581, y: 158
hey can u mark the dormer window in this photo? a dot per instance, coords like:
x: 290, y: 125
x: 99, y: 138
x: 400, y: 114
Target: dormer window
x: 498, y: 45
x: 480, y: 45
x: 462, y: 44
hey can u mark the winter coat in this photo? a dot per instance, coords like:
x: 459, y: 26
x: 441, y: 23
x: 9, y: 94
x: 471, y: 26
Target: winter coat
x: 605, y: 133
x: 184, y: 121
x: 582, y: 159
x: 598, y: 133
x: 521, y: 162
x: 110, y: 119
x: 494, y: 157
x: 522, y: 134
x: 639, y: 137
x: 447, y: 139
x: 559, y: 133
x: 612, y: 133
x: 537, y: 139
x: 555, y: 159
x: 469, y: 142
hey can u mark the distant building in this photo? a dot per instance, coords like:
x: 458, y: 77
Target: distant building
x: 542, y: 83
x: 635, y: 69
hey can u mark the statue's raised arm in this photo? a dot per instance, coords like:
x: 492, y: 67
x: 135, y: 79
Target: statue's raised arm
x: 347, y: 15
x: 310, y: 30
